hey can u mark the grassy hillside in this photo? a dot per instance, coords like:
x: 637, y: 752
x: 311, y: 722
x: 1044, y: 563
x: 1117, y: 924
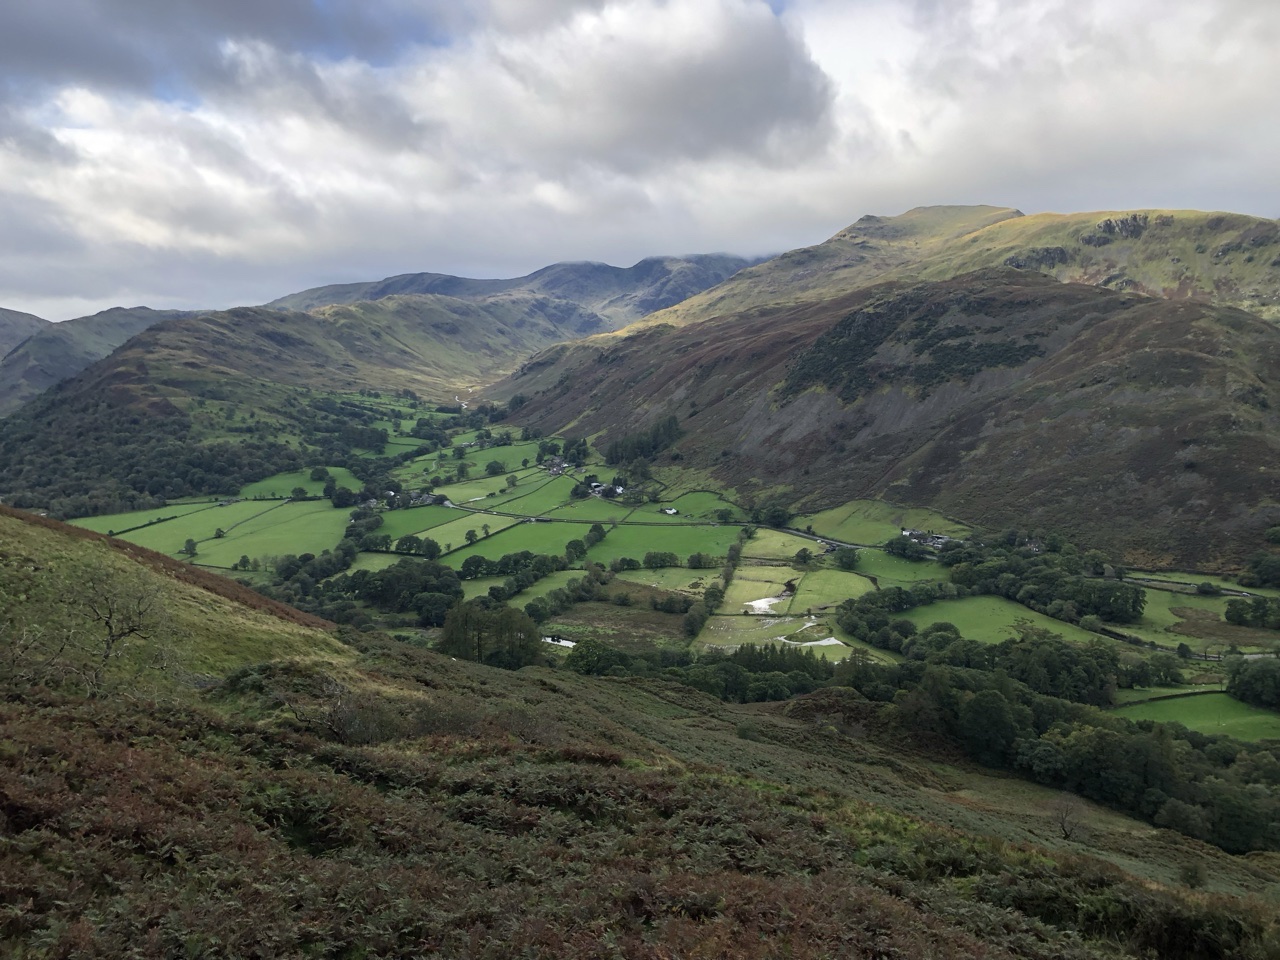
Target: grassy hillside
x: 291, y: 795
x: 1137, y: 424
x: 1222, y: 258
x: 15, y: 327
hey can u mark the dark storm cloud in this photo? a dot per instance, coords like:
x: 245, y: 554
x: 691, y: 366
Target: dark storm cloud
x: 170, y: 47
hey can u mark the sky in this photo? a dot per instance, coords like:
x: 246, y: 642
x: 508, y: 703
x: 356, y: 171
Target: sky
x: 213, y: 153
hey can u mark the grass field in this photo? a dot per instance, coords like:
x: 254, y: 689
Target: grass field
x: 890, y: 571
x: 548, y: 538
x: 480, y: 586
x: 419, y: 520
x: 534, y: 501
x: 992, y: 619
x: 735, y: 631
x: 874, y: 522
x: 636, y: 541
x: 305, y: 527
x: 1209, y: 713
x: 455, y: 532
x: 472, y: 490
x: 115, y: 522
x: 775, y: 545
x: 374, y: 562
x: 702, y: 505
x: 594, y: 509
x: 756, y: 583
x: 672, y: 579
x: 169, y: 537
x: 282, y: 484
x: 1198, y: 578
x: 1135, y: 694
x: 1173, y: 618
x: 826, y: 588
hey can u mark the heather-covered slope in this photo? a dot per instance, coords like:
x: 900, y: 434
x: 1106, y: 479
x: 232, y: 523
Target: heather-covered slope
x: 288, y: 795
x: 1145, y: 426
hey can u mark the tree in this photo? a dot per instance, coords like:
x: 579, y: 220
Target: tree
x: 1067, y: 812
x: 906, y: 548
x: 803, y: 557
x: 189, y: 548
x: 512, y: 479
x: 575, y: 550
x: 471, y: 536
x: 494, y: 467
x: 409, y: 544
x: 298, y: 493
x: 846, y: 558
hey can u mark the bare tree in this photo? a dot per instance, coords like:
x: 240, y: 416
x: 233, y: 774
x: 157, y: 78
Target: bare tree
x: 1068, y: 814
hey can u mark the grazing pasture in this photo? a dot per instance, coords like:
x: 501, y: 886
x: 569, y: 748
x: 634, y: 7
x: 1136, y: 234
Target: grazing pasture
x: 874, y: 521
x: 303, y: 527
x: 776, y: 545
x: 827, y: 588
x: 1209, y: 713
x: 891, y: 571
x: 282, y: 484
x: 635, y: 541
x: 418, y: 520
x: 138, y: 518
x: 994, y: 619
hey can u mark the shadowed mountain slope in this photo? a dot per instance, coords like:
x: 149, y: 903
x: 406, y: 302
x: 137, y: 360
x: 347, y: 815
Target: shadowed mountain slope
x: 1141, y: 425
x: 618, y: 295
x: 57, y: 351
x: 16, y: 327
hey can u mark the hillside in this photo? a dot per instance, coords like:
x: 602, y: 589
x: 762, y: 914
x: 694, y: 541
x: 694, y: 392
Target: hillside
x: 618, y: 295
x: 288, y: 794
x: 1222, y: 258
x: 207, y: 403
x: 1003, y: 398
x: 15, y: 327
x: 57, y: 351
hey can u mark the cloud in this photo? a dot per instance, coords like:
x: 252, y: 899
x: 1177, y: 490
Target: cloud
x: 184, y: 153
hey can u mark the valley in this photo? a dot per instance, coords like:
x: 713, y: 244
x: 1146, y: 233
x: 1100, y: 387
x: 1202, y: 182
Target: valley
x: 928, y: 575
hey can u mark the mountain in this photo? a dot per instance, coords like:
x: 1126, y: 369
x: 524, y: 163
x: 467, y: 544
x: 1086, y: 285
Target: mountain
x: 16, y: 327
x: 1005, y: 398
x: 618, y: 295
x: 1177, y: 254
x: 56, y: 351
x: 205, y: 403
x: 578, y: 298
x: 375, y: 798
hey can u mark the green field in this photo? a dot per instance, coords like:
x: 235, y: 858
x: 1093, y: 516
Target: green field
x: 534, y: 501
x: 825, y: 588
x: 735, y: 631
x: 373, y: 562
x: 775, y: 545
x: 1198, y: 578
x: 282, y: 484
x: 470, y: 491
x: 593, y: 509
x: 455, y: 531
x: 305, y: 527
x: 993, y: 619
x: 635, y: 541
x: 480, y: 586
x: 673, y: 579
x: 701, y: 505
x: 419, y: 520
x: 750, y: 584
x: 517, y: 535
x: 1209, y: 713
x: 115, y: 522
x: 874, y: 521
x: 890, y: 571
x: 1136, y: 694
x: 168, y: 537
x: 1173, y: 618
